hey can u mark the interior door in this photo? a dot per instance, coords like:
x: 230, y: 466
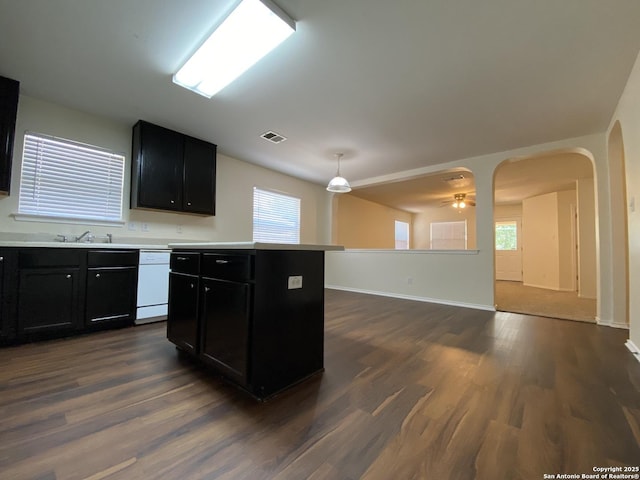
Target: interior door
x: 508, y: 249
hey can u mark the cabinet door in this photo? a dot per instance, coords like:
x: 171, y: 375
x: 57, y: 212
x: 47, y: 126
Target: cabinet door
x: 48, y: 300
x: 158, y: 155
x: 9, y: 92
x: 3, y: 300
x: 182, y: 318
x: 225, y: 318
x: 111, y: 295
x: 199, y: 176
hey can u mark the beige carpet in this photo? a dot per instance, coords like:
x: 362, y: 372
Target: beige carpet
x: 515, y: 297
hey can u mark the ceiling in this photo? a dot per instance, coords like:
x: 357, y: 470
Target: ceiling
x: 514, y: 181
x: 394, y: 85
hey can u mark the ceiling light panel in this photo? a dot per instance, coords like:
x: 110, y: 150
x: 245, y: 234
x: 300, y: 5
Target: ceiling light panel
x: 251, y: 31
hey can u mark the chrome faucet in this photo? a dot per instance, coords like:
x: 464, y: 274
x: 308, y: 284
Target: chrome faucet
x: 87, y: 234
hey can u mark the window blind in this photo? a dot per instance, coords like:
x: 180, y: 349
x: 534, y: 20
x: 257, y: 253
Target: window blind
x: 63, y: 178
x: 276, y: 217
x: 449, y: 235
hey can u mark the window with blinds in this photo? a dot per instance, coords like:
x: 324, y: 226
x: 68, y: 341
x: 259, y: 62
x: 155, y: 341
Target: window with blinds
x: 67, y: 179
x: 276, y: 217
x: 449, y: 235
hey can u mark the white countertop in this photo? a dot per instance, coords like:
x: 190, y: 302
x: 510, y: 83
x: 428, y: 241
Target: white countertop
x: 94, y: 245
x: 252, y: 246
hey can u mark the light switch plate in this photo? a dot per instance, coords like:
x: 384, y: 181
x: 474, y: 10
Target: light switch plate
x: 295, y: 281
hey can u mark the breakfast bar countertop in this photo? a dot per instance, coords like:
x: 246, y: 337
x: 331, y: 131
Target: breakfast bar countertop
x: 252, y: 246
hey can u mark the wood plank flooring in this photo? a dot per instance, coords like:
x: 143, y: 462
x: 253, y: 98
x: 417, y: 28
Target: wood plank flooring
x: 411, y: 391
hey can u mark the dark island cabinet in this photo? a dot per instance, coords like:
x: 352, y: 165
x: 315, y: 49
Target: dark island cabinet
x: 226, y: 313
x: 172, y: 171
x: 9, y: 93
x: 257, y: 317
x: 112, y: 278
x: 182, y: 319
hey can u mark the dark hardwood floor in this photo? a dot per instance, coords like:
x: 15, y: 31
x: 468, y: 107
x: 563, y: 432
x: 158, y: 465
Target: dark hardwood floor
x: 411, y: 391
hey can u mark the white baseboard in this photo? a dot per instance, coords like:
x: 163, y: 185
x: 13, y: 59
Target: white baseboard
x: 633, y: 348
x: 547, y: 287
x: 612, y: 324
x: 439, y: 301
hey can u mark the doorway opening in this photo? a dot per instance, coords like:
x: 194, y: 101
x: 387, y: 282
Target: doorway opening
x: 545, y: 236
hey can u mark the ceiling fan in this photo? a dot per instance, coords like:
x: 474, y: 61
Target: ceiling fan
x: 460, y: 201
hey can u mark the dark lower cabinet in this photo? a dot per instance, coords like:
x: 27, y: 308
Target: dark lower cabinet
x: 182, y: 319
x: 226, y: 311
x: 53, y: 292
x: 48, y: 300
x: 4, y: 298
x: 111, y: 289
x: 111, y: 295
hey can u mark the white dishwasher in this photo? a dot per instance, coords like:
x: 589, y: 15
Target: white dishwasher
x: 153, y: 286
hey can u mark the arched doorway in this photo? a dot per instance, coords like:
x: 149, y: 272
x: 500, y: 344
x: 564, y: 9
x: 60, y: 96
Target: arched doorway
x: 545, y: 219
x: 619, y: 228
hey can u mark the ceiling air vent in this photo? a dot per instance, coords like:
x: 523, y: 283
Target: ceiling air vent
x: 273, y: 137
x: 456, y: 180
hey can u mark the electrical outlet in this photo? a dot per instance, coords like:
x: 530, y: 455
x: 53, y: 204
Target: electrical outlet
x: 145, y: 227
x: 295, y: 282
x: 409, y: 281
x: 131, y: 226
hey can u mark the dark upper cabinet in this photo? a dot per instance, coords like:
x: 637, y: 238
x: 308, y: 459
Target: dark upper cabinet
x: 172, y: 171
x: 199, y: 176
x: 9, y: 92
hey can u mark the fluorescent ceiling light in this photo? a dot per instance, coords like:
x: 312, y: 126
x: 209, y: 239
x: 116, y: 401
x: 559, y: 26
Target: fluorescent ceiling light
x: 251, y: 31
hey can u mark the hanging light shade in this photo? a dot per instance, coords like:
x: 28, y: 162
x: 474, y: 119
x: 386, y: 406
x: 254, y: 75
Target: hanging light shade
x: 339, y: 184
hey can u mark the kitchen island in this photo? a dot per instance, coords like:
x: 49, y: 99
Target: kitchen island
x: 253, y: 312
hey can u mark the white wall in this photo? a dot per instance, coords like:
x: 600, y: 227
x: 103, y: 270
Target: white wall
x: 360, y: 223
x: 508, y: 211
x: 628, y: 114
x: 587, y: 258
x: 540, y: 247
x: 444, y: 272
x: 567, y: 239
x: 235, y: 181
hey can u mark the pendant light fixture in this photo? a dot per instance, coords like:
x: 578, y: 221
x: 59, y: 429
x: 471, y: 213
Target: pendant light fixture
x: 339, y: 184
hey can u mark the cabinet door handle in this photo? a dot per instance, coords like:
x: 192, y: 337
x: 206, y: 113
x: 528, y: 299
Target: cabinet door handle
x: 97, y: 275
x: 1, y: 259
x: 69, y: 276
x: 222, y: 262
x: 172, y: 202
x: 182, y: 258
x: 192, y: 285
x: 189, y: 203
x: 206, y: 289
